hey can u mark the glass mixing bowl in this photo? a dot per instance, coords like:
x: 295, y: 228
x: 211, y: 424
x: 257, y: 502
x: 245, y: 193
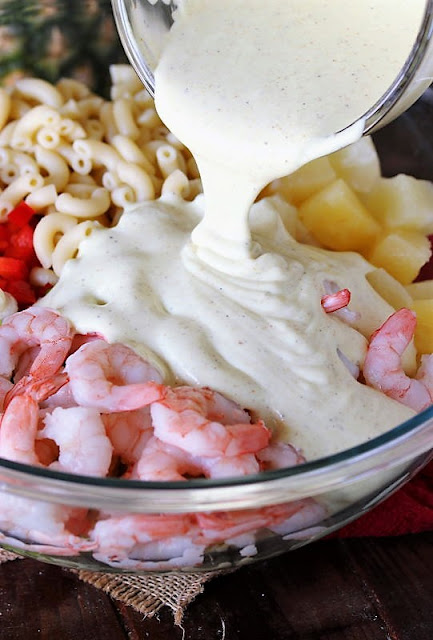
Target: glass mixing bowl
x: 206, y: 525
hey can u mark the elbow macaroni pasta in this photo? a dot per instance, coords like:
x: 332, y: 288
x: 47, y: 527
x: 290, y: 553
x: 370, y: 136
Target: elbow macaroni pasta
x: 123, y: 196
x: 89, y: 206
x: 21, y: 187
x: 55, y: 166
x: 8, y: 305
x: 40, y: 277
x: 124, y: 119
x: 176, y: 184
x: 40, y: 91
x: 68, y: 245
x: 5, y: 107
x: 27, y: 126
x: 135, y: 177
x: 42, y: 198
x: 78, y: 160
x: 47, y: 233
x: 131, y: 152
x: 72, y: 89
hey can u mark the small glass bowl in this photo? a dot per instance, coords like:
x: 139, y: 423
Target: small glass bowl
x: 143, y: 26
x: 206, y: 525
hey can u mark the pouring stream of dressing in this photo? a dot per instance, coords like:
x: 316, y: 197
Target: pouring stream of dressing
x: 256, y: 89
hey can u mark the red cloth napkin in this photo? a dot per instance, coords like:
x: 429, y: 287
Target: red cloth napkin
x: 409, y: 510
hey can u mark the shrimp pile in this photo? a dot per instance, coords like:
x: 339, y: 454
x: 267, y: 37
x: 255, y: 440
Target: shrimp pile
x: 78, y: 404
x: 81, y: 405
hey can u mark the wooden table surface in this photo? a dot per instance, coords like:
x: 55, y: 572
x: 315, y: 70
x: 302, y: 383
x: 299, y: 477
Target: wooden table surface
x: 366, y: 589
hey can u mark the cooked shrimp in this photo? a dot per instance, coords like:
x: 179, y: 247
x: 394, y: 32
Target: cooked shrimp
x: 279, y: 455
x: 34, y: 327
x: 119, y: 536
x: 45, y: 523
x: 382, y: 365
x: 195, y: 420
x: 162, y: 555
x: 18, y: 429
x: 304, y: 523
x: 24, y: 363
x: 39, y: 389
x: 5, y: 387
x: 79, y: 433
x: 61, y: 398
x: 20, y: 421
x: 69, y: 547
x: 160, y: 462
x: 112, y: 378
x: 245, y: 464
x: 83, y: 338
x: 129, y: 432
x: 223, y: 525
x: 335, y: 301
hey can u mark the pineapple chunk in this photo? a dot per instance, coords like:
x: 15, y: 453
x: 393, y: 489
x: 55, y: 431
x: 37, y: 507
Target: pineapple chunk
x: 389, y: 288
x: 424, y: 325
x: 421, y: 290
x: 402, y: 202
x: 401, y: 253
x: 358, y: 165
x: 304, y: 182
x: 338, y: 219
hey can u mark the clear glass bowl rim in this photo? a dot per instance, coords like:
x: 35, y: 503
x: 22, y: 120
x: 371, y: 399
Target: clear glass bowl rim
x: 404, y: 442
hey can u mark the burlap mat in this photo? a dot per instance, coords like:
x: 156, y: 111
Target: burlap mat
x: 145, y: 594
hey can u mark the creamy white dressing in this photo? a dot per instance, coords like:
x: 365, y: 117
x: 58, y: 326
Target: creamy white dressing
x: 257, y: 334
x: 256, y: 89
x: 220, y: 296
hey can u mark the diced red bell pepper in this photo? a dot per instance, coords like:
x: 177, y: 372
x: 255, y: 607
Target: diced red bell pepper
x: 21, y: 291
x: 17, y: 255
x: 13, y: 268
x: 42, y: 291
x: 21, y: 244
x: 4, y: 237
x: 20, y: 215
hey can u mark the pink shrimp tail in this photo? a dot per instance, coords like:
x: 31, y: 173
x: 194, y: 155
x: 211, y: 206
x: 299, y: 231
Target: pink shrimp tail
x: 335, y: 301
x: 39, y: 389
